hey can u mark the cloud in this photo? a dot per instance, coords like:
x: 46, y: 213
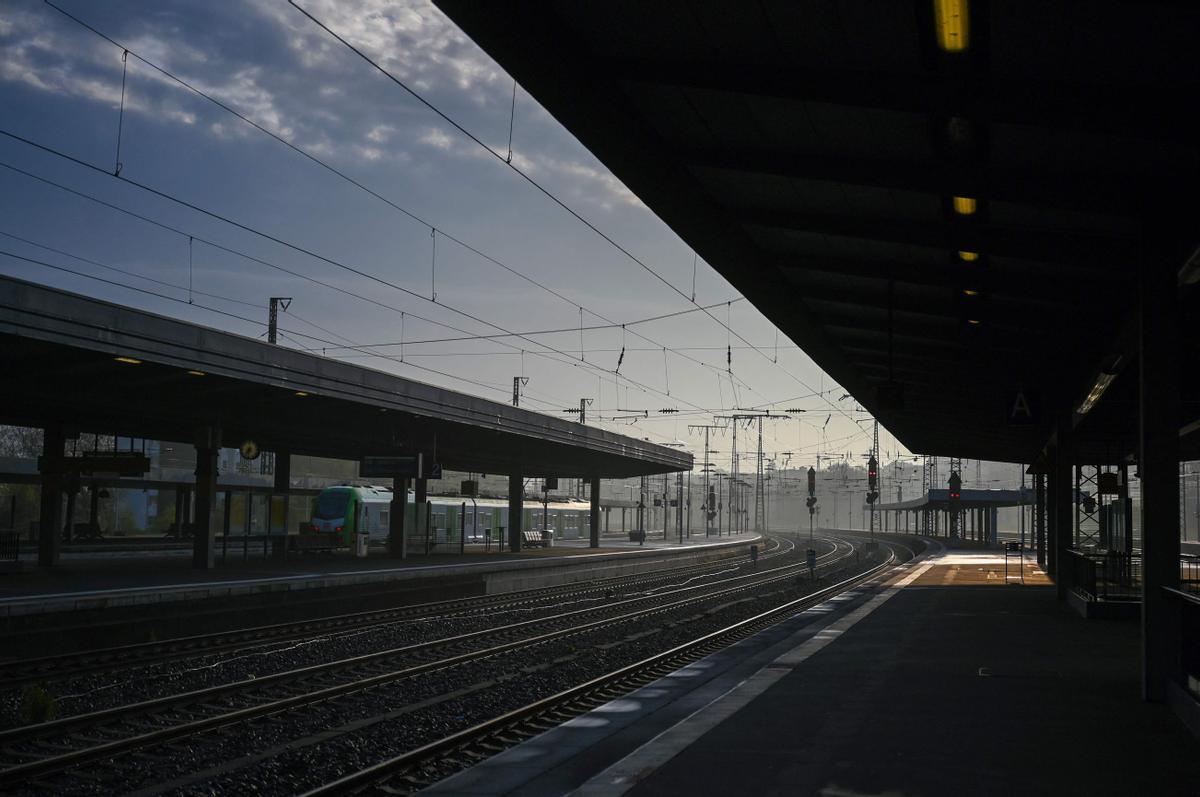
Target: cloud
x: 267, y: 61
x: 412, y: 40
x: 436, y: 138
x: 380, y: 133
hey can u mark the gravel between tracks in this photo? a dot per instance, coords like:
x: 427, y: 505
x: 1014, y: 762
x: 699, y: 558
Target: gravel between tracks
x: 306, y: 747
x: 99, y: 691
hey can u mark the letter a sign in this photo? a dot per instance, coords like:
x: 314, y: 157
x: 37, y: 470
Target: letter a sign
x: 1023, y: 408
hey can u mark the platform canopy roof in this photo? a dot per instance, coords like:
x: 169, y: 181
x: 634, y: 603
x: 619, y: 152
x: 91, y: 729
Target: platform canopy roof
x: 968, y: 499
x: 101, y: 367
x: 811, y: 151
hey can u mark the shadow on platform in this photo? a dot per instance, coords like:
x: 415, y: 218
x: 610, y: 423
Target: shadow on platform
x: 949, y: 689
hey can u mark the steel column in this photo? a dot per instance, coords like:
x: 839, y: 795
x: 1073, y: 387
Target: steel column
x: 516, y: 506
x: 50, y: 516
x: 203, y: 534
x: 283, y: 486
x: 594, y: 527
x: 1158, y: 462
x: 397, y: 520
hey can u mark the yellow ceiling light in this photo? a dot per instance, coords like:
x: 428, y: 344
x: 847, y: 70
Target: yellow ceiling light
x: 969, y: 257
x: 128, y: 360
x: 973, y: 322
x: 301, y: 393
x: 1101, y: 384
x: 970, y: 292
x: 951, y: 17
x: 197, y: 373
x: 964, y: 205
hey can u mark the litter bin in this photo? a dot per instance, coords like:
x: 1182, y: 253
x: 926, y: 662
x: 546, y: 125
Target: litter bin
x: 360, y: 545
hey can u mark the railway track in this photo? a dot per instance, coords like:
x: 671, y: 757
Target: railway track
x: 60, y: 667
x: 420, y: 767
x: 34, y: 752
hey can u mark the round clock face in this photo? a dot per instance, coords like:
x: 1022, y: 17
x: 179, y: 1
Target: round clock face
x: 249, y: 450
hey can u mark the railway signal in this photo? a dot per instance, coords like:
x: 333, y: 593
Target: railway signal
x: 955, y: 486
x: 812, y: 499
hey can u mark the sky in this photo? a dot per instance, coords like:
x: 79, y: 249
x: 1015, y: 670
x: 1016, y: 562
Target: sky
x: 453, y: 245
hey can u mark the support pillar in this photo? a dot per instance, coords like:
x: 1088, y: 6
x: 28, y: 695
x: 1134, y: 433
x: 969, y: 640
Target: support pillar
x: 516, y: 494
x: 594, y: 519
x: 421, y: 513
x: 397, y: 519
x: 1158, y: 463
x: 208, y: 446
x: 50, y: 516
x: 1062, y: 495
x: 282, y: 487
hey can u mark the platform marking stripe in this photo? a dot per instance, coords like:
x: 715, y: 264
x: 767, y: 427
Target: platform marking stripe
x: 641, y: 763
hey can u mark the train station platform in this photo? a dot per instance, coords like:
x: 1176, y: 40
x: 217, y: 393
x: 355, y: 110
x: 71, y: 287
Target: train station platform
x: 945, y: 680
x: 146, y: 578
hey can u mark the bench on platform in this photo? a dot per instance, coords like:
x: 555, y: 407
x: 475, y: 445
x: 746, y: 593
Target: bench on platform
x: 533, y: 539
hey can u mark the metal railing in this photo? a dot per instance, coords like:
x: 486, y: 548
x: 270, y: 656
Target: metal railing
x: 1105, y: 575
x: 1189, y: 574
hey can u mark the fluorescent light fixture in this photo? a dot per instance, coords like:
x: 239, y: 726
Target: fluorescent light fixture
x: 969, y: 257
x: 197, y: 373
x: 1103, y: 380
x: 970, y: 292
x: 951, y: 19
x: 301, y: 393
x: 128, y: 360
x: 973, y: 322
x: 964, y: 205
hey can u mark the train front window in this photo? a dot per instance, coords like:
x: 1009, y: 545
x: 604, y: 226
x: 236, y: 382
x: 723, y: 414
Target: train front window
x: 331, y: 505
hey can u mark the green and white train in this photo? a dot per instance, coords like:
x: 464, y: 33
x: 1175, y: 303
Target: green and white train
x: 348, y: 510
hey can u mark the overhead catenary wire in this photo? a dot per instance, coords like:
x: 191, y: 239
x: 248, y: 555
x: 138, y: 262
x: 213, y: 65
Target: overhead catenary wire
x: 126, y: 272
x: 535, y: 332
x: 303, y: 250
x: 257, y: 322
x: 121, y: 113
x: 244, y: 255
x: 535, y: 184
x: 314, y: 159
x: 543, y: 354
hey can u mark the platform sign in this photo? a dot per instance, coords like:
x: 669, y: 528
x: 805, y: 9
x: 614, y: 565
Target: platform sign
x: 105, y: 464
x: 402, y: 467
x: 1022, y: 408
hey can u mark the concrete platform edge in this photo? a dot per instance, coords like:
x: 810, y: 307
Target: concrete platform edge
x: 503, y: 576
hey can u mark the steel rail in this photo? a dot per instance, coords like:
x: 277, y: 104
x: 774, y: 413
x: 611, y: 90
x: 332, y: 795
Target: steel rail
x: 383, y: 770
x: 34, y: 768
x: 58, y: 667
